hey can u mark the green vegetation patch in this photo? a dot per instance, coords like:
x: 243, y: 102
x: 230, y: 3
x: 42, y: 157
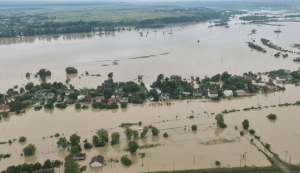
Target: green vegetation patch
x: 218, y: 141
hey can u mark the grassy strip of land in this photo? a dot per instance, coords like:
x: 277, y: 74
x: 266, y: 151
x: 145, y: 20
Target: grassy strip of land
x: 272, y: 169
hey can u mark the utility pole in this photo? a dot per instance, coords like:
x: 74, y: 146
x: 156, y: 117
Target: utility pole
x: 245, y: 159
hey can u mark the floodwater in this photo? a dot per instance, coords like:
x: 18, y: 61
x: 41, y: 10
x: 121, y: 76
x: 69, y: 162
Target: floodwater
x: 220, y: 49
x: 180, y: 147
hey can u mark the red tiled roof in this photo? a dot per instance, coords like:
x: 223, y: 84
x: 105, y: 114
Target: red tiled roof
x: 4, y: 107
x: 112, y: 100
x: 99, y: 98
x: 240, y: 91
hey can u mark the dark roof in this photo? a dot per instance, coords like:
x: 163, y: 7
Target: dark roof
x: 83, y: 168
x: 213, y: 92
x: 26, y: 101
x: 97, y: 158
x: 4, y: 107
x: 270, y: 83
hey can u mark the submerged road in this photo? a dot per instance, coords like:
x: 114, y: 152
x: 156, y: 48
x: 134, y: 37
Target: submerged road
x: 280, y: 165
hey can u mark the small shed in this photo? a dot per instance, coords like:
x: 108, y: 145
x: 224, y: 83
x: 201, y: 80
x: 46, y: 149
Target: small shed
x: 97, y: 161
x: 80, y: 156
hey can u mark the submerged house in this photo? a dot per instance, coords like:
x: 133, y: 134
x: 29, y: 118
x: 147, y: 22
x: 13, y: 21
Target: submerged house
x: 80, y: 156
x: 4, y: 108
x: 113, y: 100
x: 123, y: 99
x: 97, y: 161
x: 51, y: 170
x: 69, y: 92
x: 50, y: 95
x: 228, y: 93
x: 26, y: 102
x: 198, y: 93
x: 284, y: 77
x: 165, y: 96
x: 213, y: 94
x: 240, y: 92
x: 270, y: 85
x: 99, y: 98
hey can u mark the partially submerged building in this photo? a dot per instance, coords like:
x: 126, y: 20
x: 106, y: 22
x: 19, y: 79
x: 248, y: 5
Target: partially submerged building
x: 96, y: 161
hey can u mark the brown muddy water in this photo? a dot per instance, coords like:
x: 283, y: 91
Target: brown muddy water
x: 220, y: 49
x: 180, y: 147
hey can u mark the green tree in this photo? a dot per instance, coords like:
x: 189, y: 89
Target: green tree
x: 97, y: 142
x: 220, y: 120
x: 153, y: 92
x: 252, y: 132
x: 29, y: 85
x: 75, y: 149
x: 18, y: 105
x: 145, y: 131
x: 47, y: 164
x: 123, y: 105
x: 268, y: 146
x: 165, y: 135
x: 37, y: 166
x: 77, y: 106
x: 22, y: 139
x: 155, y: 131
x: 135, y: 134
x: 29, y: 150
x: 133, y: 146
x: 143, y: 96
x: 62, y: 142
x: 70, y: 165
x: 245, y: 124
x: 110, y: 75
x: 27, y: 74
x: 22, y: 90
x: 126, y: 161
x: 5, y: 114
x: 115, y: 137
x: 194, y: 127
x: 75, y: 139
x: 128, y: 132
x: 88, y: 145
x: 71, y: 70
x: 103, y: 135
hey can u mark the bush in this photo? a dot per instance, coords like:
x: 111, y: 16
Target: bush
x: 71, y: 70
x: 251, y: 140
x: 215, y: 99
x: 77, y: 106
x: 155, y: 131
x: 112, y: 142
x: 88, y: 146
x: 133, y: 146
x: 5, y: 115
x: 194, y: 127
x: 257, y: 137
x: 57, y: 135
x: 165, y: 135
x: 252, y: 132
x: 218, y: 163
x: 140, y: 123
x: 268, y: 146
x: 29, y: 150
x: 22, y: 139
x: 272, y: 116
x: 123, y: 105
x: 241, y: 133
x: 126, y: 161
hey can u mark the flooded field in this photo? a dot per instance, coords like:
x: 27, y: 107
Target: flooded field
x: 220, y: 49
x: 180, y: 147
x: 127, y: 55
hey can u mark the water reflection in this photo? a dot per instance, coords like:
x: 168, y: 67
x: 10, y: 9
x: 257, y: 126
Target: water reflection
x: 30, y: 159
x: 71, y: 75
x: 218, y: 131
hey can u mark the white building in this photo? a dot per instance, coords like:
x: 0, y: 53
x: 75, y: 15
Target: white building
x: 212, y: 94
x: 80, y: 97
x: 4, y: 108
x: 165, y: 96
x: 228, y: 93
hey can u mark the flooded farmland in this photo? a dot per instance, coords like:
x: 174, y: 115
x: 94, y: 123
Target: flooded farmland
x: 220, y: 49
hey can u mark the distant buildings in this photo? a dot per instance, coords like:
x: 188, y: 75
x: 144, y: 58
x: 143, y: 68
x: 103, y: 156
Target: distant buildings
x: 284, y: 77
x: 99, y: 98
